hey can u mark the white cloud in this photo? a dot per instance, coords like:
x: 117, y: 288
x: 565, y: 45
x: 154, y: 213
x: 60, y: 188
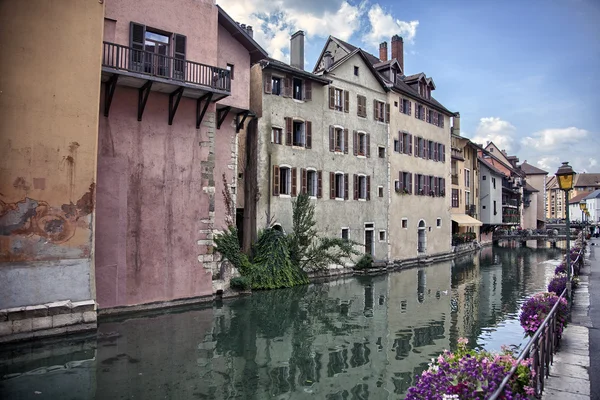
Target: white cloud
x: 548, y: 163
x: 494, y: 129
x: 274, y: 21
x: 384, y: 26
x: 553, y: 139
x: 593, y: 162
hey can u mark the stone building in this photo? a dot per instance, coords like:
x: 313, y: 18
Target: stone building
x: 175, y: 92
x: 490, y: 196
x: 49, y: 91
x: 534, y: 201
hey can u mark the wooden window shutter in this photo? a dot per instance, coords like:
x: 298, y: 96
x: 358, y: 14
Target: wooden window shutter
x: 275, y: 180
x: 294, y: 182
x: 436, y: 186
x: 319, y: 184
x: 346, y: 101
x: 410, y: 144
x: 417, y: 107
x: 331, y: 98
x: 355, y: 143
x: 426, y: 185
x: 400, y: 142
x: 288, y: 131
x: 268, y: 82
x: 422, y: 113
x: 375, y: 114
x: 364, y: 106
x: 443, y: 185
x: 307, y: 90
x: 355, y: 186
x: 179, y: 55
x: 435, y: 151
x: 287, y: 86
x: 426, y: 149
x: 443, y: 153
x: 331, y: 138
x: 346, y: 141
x: 332, y: 185
x: 410, y: 183
x: 416, y: 146
x: 303, y: 189
x: 435, y: 118
x: 346, y: 187
x: 308, y: 134
x: 137, y: 34
x: 368, y: 187
x: 368, y: 145
x: 401, y: 104
x: 442, y: 121
x: 409, y: 107
x: 400, y: 180
x: 387, y: 112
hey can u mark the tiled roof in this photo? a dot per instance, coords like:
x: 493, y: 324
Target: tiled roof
x: 587, y: 179
x: 490, y: 165
x: 529, y: 188
x: 578, y: 198
x: 594, y: 195
x: 372, y: 59
x: 531, y: 170
x: 273, y: 63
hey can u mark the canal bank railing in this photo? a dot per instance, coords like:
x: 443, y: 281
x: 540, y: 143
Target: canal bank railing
x: 542, y: 345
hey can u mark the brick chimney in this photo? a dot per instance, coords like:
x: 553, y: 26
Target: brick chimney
x: 398, y: 50
x: 297, y: 50
x: 383, y: 51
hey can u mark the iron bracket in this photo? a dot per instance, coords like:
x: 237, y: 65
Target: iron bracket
x: 144, y: 92
x: 109, y: 92
x: 173, y: 105
x: 200, y: 111
x: 221, y: 115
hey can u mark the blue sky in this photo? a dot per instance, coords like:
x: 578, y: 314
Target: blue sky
x: 524, y: 74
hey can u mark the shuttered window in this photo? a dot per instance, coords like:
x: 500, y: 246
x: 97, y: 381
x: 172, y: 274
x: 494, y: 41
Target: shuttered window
x: 361, y: 102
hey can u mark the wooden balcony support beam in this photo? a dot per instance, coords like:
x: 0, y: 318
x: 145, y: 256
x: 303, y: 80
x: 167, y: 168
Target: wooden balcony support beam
x: 143, y: 94
x: 109, y: 92
x: 221, y: 115
x: 174, y: 99
x: 200, y: 111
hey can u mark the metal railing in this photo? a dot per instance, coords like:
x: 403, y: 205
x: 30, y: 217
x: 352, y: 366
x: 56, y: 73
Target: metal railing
x: 542, y: 345
x: 148, y: 63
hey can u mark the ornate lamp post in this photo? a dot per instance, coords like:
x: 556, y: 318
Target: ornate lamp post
x: 583, y: 207
x: 565, y: 176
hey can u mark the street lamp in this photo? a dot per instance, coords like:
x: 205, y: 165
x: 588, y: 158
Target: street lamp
x: 565, y: 176
x: 583, y: 207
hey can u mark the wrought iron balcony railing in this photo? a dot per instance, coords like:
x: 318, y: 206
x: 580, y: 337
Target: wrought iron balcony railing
x: 148, y: 63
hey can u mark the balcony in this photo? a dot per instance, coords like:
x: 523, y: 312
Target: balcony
x: 455, y: 179
x: 510, y: 203
x: 457, y: 154
x: 471, y: 210
x: 148, y: 71
x: 511, y: 219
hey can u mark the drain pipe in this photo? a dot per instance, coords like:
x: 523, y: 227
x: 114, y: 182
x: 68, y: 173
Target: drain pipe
x: 269, y: 188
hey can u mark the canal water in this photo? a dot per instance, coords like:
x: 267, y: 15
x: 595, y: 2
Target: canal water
x: 352, y: 338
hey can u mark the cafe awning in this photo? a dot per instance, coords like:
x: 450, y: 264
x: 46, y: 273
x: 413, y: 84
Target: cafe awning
x: 465, y: 220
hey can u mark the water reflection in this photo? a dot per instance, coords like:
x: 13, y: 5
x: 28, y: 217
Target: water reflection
x: 354, y: 338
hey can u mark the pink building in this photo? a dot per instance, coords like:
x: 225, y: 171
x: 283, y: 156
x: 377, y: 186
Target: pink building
x: 175, y: 92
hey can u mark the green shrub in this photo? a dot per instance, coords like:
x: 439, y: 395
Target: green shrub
x: 240, y: 283
x: 366, y: 261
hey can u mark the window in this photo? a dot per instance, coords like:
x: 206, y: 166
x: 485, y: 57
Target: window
x: 339, y: 139
x: 467, y: 198
x: 421, y: 148
x: 362, y: 143
x: 494, y: 182
x: 405, y: 143
x: 438, y: 222
x: 230, y: 69
x: 355, y: 70
x: 151, y: 49
x: 311, y: 183
x: 284, y: 180
x: 361, y: 187
x: 396, y: 145
x: 382, y: 236
x: 339, y: 186
x: 380, y: 111
x: 276, y: 85
x: 455, y: 198
x: 381, y: 152
x: 495, y: 210
x: 467, y: 178
x: 441, y: 152
x: 299, y: 137
x: 380, y: 191
x: 440, y: 120
x: 430, y: 116
x: 405, y: 223
x: 361, y: 106
x: 484, y: 177
x: 345, y: 232
x: 339, y: 99
x: 276, y: 136
x: 297, y: 89
x: 405, y: 106
x: 404, y: 183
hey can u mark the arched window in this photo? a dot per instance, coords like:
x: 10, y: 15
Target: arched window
x: 422, y: 238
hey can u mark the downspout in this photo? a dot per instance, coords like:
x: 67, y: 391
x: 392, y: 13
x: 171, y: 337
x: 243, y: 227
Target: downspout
x: 269, y: 189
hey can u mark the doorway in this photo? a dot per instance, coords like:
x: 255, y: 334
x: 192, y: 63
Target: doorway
x: 422, y: 238
x: 369, y: 241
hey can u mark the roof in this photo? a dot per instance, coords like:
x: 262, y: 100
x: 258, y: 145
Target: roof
x: 585, y: 179
x: 257, y: 53
x: 594, y: 195
x: 531, y: 170
x: 529, y: 188
x: 372, y: 59
x: 281, y: 66
x: 578, y: 198
x: 365, y: 58
x: 490, y: 166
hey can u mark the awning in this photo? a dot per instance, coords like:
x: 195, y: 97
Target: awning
x: 465, y: 220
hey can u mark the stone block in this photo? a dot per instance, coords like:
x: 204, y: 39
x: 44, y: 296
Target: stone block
x: 22, y: 326
x: 41, y: 323
x: 61, y: 320
x: 83, y: 306
x: 3, y: 315
x: 36, y: 311
x: 59, y: 307
x: 6, y: 328
x: 90, y: 317
x: 15, y: 314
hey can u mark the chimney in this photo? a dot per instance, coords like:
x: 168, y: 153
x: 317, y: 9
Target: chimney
x: 456, y: 124
x: 383, y: 51
x: 250, y: 31
x: 398, y: 50
x: 327, y: 59
x: 297, y: 50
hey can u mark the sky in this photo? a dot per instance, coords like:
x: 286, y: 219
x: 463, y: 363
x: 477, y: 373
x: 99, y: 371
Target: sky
x: 522, y: 73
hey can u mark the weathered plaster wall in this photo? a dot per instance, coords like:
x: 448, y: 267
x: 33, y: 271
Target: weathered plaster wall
x: 404, y: 241
x: 488, y: 195
x: 230, y: 51
x: 49, y: 92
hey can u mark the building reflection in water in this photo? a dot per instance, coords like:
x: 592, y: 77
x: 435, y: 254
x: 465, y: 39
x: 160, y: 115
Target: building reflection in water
x: 353, y: 338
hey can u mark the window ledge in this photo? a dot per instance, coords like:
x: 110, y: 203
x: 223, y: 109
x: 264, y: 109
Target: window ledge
x: 297, y: 147
x: 285, y: 196
x: 361, y: 156
x: 312, y: 197
x: 362, y: 199
x: 339, y: 199
x: 338, y: 152
x: 298, y: 101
